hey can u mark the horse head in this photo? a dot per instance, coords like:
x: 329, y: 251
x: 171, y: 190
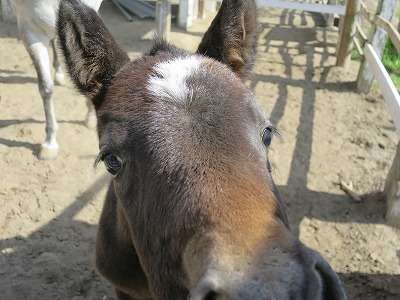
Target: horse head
x: 192, y: 210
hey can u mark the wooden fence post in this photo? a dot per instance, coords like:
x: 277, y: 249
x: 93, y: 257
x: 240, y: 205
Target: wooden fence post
x: 365, y: 76
x: 163, y: 18
x: 186, y: 13
x: 392, y: 192
x: 347, y: 32
x: 330, y: 18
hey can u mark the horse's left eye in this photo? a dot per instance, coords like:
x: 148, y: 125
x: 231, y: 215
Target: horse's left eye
x: 113, y: 164
x: 267, y: 136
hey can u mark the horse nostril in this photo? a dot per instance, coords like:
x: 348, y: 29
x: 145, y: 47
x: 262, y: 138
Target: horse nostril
x: 208, y: 289
x: 211, y: 295
x: 324, y: 282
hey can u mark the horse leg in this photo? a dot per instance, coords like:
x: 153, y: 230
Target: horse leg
x: 59, y: 77
x: 41, y: 61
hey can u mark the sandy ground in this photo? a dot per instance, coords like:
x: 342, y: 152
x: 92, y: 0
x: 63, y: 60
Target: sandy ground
x: 49, y: 209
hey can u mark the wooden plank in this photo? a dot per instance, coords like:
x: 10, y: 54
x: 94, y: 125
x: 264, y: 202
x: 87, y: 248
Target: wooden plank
x: 163, y: 18
x: 361, y: 34
x: 347, y: 31
x: 386, y: 9
x: 394, y: 35
x: 389, y: 91
x: 312, y: 7
x: 185, y: 15
x: 202, y: 10
x: 364, y: 12
x: 358, y: 46
x: 392, y: 191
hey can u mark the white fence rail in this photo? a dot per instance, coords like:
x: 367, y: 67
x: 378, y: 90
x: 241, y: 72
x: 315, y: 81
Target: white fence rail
x: 386, y: 84
x: 186, y: 8
x: 312, y: 7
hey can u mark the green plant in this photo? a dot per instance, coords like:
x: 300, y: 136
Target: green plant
x: 391, y: 61
x: 355, y: 56
x: 390, y: 58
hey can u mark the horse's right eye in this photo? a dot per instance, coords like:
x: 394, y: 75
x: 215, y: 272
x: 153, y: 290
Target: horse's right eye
x: 113, y: 164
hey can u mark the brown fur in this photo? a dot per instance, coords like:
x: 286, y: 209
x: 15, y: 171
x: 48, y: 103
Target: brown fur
x: 192, y: 211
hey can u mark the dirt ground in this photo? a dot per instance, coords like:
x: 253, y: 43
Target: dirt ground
x: 49, y: 209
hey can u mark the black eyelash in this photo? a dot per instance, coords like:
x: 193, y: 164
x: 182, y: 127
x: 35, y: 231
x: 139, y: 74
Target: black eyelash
x: 99, y: 158
x: 277, y: 133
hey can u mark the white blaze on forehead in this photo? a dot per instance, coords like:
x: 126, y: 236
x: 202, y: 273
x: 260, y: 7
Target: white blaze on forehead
x: 170, y: 79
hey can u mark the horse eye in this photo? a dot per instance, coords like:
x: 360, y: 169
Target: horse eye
x: 267, y: 136
x: 113, y: 164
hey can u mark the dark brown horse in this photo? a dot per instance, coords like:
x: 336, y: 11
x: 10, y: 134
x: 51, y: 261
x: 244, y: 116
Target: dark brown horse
x: 192, y: 211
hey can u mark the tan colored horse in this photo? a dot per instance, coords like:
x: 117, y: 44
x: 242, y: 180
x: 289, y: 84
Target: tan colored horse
x: 192, y: 211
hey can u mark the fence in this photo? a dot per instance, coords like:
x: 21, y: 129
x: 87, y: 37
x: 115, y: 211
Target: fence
x: 373, y: 67
x: 186, y: 11
x: 389, y: 91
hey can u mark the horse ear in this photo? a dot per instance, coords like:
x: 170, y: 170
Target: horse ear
x: 232, y: 36
x: 91, y: 54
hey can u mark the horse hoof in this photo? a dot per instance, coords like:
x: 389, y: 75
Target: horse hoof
x: 48, y: 153
x: 91, y: 122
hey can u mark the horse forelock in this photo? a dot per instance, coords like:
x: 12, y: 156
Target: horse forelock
x: 169, y: 78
